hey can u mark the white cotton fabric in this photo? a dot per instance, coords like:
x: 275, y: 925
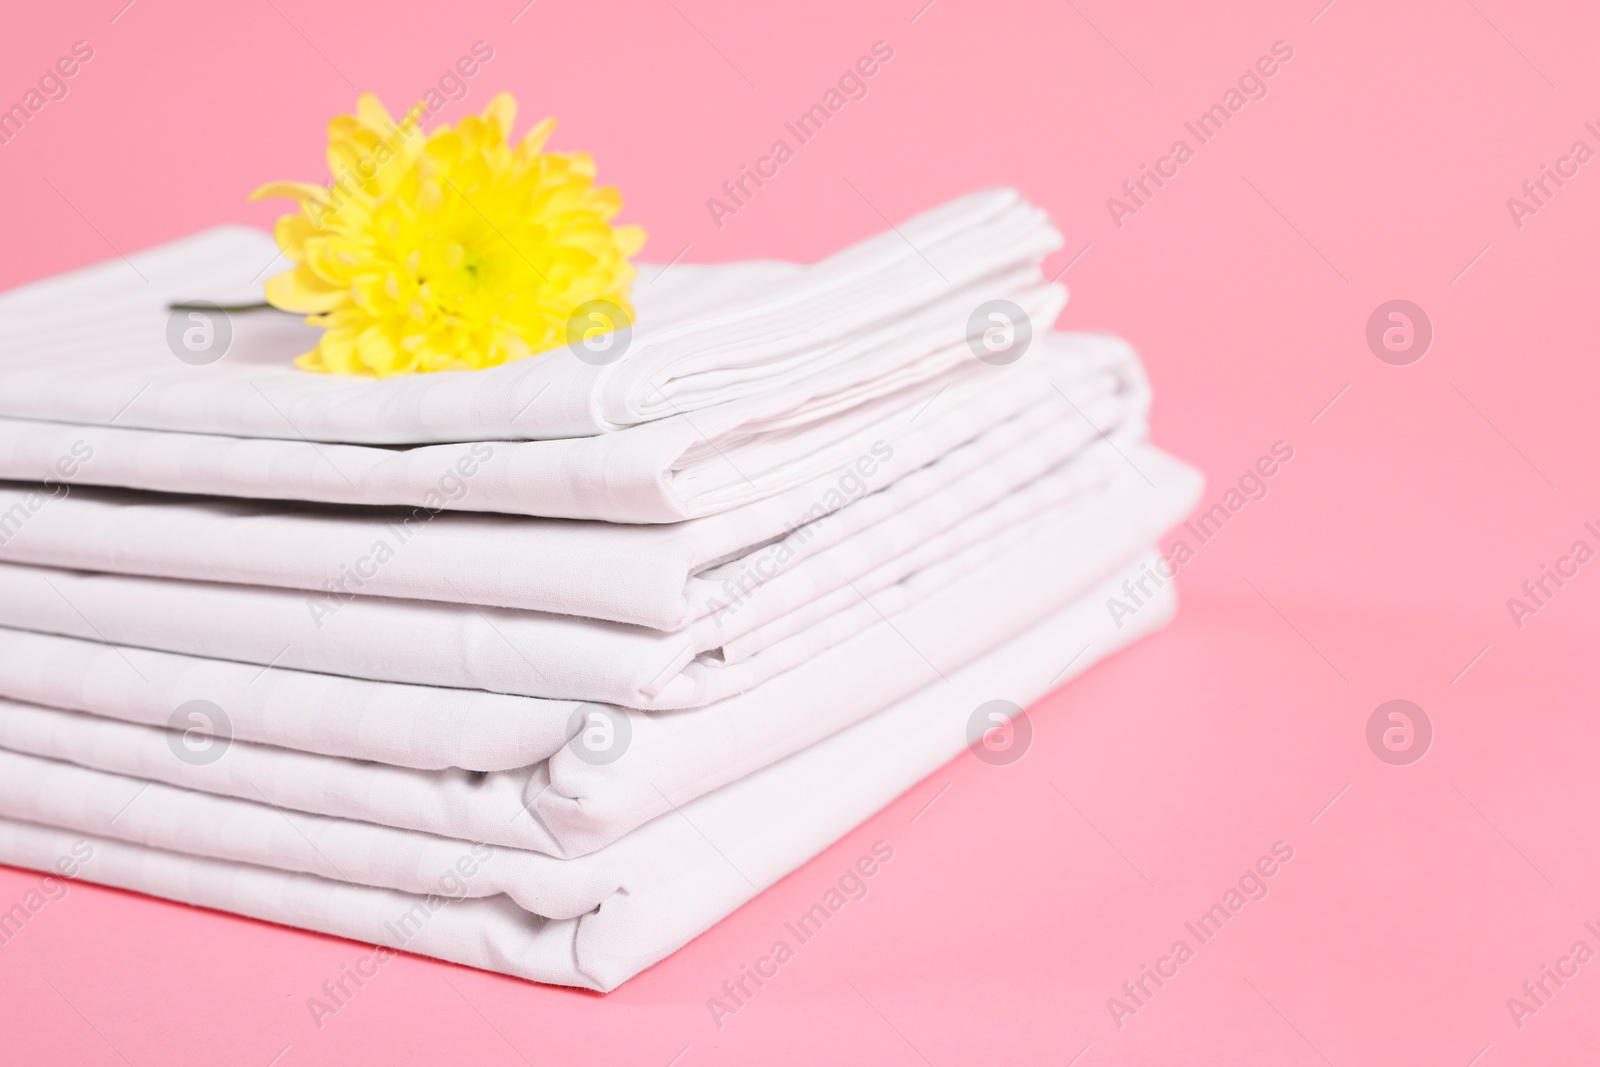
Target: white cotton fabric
x: 591, y: 922
x: 414, y: 726
x: 90, y: 347
x: 571, y: 805
x: 785, y: 547
x: 526, y: 653
x: 662, y: 576
x: 672, y: 469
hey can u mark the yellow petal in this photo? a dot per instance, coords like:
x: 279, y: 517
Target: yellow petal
x: 449, y: 250
x: 311, y: 361
x: 300, y: 290
x: 291, y: 232
x: 372, y: 113
x: 291, y: 191
x: 630, y: 239
x: 502, y: 111
x: 535, y: 138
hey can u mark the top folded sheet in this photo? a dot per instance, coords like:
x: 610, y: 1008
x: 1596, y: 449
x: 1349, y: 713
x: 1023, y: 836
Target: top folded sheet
x: 92, y: 347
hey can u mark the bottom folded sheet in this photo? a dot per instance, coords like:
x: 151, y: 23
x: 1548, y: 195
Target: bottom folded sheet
x: 594, y: 921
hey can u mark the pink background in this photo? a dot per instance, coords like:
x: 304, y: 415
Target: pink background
x: 1378, y: 167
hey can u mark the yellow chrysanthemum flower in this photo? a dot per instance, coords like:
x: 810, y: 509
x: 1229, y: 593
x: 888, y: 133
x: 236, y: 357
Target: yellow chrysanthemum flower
x: 451, y: 251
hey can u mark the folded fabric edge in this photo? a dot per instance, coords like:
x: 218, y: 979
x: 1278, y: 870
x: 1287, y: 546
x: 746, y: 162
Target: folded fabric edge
x: 400, y: 796
x: 630, y: 930
x: 907, y: 743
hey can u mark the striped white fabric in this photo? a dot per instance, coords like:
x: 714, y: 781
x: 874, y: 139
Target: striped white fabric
x: 526, y: 653
x: 662, y: 576
x: 570, y: 803
x: 546, y: 668
x: 594, y: 921
x: 675, y: 468
x: 91, y: 347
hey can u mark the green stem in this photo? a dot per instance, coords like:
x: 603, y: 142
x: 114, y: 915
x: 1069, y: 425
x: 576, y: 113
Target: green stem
x: 232, y: 309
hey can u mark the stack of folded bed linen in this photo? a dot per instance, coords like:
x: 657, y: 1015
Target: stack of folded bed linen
x: 546, y: 668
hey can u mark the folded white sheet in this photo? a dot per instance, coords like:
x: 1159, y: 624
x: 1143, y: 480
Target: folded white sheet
x: 541, y: 655
x: 663, y: 576
x: 90, y: 347
x: 591, y: 922
x: 663, y: 471
x: 574, y: 804
x: 403, y: 725
x: 417, y: 726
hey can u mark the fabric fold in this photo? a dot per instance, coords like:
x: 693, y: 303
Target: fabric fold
x: 592, y: 922
x: 727, y: 458
x: 661, y: 576
x: 579, y: 802
x: 520, y: 653
x: 729, y: 334
x: 546, y: 668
